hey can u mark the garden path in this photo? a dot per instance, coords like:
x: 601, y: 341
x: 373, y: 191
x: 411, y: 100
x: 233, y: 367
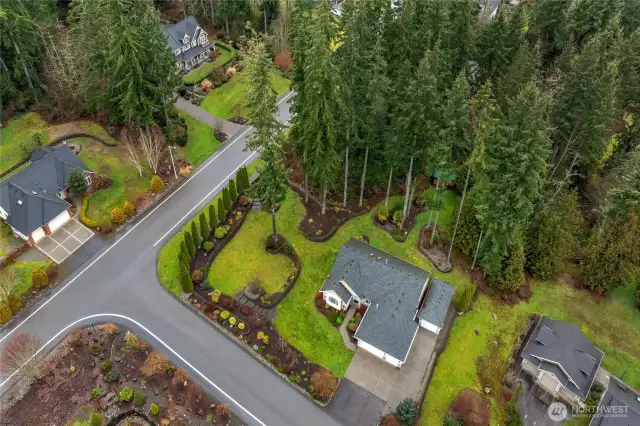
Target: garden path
x: 343, y: 328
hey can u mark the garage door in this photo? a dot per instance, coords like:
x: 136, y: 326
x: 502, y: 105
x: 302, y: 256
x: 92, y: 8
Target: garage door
x: 37, y: 235
x: 58, y: 221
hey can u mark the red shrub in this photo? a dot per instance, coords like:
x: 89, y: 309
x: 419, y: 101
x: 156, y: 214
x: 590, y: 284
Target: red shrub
x: 283, y: 60
x: 472, y: 407
x: 390, y: 420
x: 324, y: 384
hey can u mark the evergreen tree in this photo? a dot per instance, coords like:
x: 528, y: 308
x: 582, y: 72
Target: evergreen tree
x: 468, y: 226
x: 191, y: 246
x: 195, y: 233
x: 77, y: 185
x: 213, y: 219
x: 512, y: 278
x: 204, y: 226
x: 233, y: 192
x: 184, y: 251
x: 222, y: 212
x: 226, y: 199
x: 556, y: 237
x: 185, y: 280
x: 549, y: 26
x: 272, y: 186
x: 299, y: 36
x: 239, y: 183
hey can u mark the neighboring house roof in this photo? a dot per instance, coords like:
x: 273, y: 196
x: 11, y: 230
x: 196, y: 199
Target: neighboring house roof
x: 563, y: 350
x: 392, y: 285
x: 175, y: 38
x: 30, y: 197
x: 436, y: 303
x: 624, y: 404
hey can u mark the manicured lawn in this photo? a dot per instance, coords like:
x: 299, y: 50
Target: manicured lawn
x: 16, y: 131
x: 201, y: 143
x: 23, y: 273
x: 200, y: 73
x: 111, y: 162
x: 227, y: 101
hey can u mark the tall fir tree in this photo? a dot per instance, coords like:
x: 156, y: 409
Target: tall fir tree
x: 222, y: 212
x: 272, y: 186
x: 204, y: 226
x: 213, y: 218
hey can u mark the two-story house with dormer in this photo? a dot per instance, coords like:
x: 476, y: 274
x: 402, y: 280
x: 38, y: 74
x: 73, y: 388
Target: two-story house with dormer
x: 188, y: 41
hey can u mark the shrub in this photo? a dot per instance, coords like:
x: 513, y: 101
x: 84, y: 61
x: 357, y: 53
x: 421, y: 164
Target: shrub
x: 89, y: 223
x: 406, y: 412
x: 339, y: 320
x: 95, y: 349
x: 208, y: 246
x: 106, y: 366
x: 223, y: 411
x: 112, y: 377
x: 196, y: 276
x: 206, y: 84
x: 75, y: 337
x: 204, y: 226
x: 139, y: 398
x: 222, y: 213
x: 353, y: 327
x: 157, y: 185
x: 397, y: 218
x: 155, y: 410
x: 155, y: 363
x: 117, y: 216
x: 213, y: 219
x: 190, y: 243
x: 195, y: 233
x: 233, y: 321
x: 185, y: 280
x: 227, y: 302
x: 126, y: 394
x: 294, y: 378
x: 96, y: 393
x: 38, y: 278
x: 182, y: 90
x: 106, y: 226
x: 332, y: 316
x: 5, y: 313
x: 241, y: 326
x: 246, y: 309
x: 233, y: 191
x: 77, y: 185
x: 96, y: 419
x: 224, y: 315
x: 265, y: 339
x: 220, y: 232
x: 324, y: 385
x: 14, y: 302
x: 466, y: 297
x: 129, y: 209
x: 390, y: 420
x: 283, y: 60
x: 226, y: 199
x: 260, y: 335
x: 110, y: 328
x: 215, y: 296
x: 243, y: 200
x: 131, y: 340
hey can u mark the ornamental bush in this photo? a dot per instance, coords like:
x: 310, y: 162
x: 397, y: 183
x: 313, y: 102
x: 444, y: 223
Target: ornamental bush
x: 157, y: 185
x: 185, y: 280
x: 220, y: 232
x: 324, y: 385
x: 224, y: 315
x: 129, y: 209
x: 233, y: 320
x: 126, y: 394
x: 208, y: 246
x: 96, y: 393
x: 222, y: 213
x: 204, y: 226
x: 191, y: 245
x: 38, y: 278
x: 466, y: 297
x: 406, y: 412
x: 233, y: 191
x: 226, y: 199
x: 117, y: 216
x: 155, y: 410
x: 213, y: 219
x: 196, y: 276
x: 241, y: 326
x: 15, y: 302
x: 5, y: 313
x: 215, y: 296
x: 95, y: 349
x: 112, y: 377
x: 106, y: 366
x: 96, y: 419
x: 139, y: 398
x: 195, y: 233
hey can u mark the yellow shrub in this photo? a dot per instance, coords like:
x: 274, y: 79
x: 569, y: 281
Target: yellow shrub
x: 157, y: 185
x: 117, y: 216
x: 129, y: 209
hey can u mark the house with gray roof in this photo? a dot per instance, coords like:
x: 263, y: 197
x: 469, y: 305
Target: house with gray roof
x: 34, y: 201
x: 561, y: 360
x: 397, y: 295
x: 188, y: 42
x: 619, y: 406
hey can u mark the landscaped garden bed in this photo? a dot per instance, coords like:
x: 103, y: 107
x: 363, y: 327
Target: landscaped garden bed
x: 436, y: 252
x: 218, y: 58
x: 390, y: 218
x: 102, y: 373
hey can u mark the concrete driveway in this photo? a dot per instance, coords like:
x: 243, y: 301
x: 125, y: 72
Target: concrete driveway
x: 533, y: 411
x: 391, y: 384
x: 355, y: 406
x: 65, y: 240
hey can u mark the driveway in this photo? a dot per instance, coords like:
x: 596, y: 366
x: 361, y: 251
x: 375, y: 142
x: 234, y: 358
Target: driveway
x: 65, y: 240
x: 354, y: 406
x: 533, y: 411
x: 391, y: 384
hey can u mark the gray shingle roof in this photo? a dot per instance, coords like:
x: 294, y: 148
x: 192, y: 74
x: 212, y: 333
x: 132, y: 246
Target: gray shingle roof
x: 561, y: 348
x: 175, y: 35
x: 436, y: 303
x: 618, y: 395
x: 30, y: 197
x: 392, y: 285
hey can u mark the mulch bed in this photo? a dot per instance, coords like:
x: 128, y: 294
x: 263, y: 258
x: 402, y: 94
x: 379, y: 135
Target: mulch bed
x: 436, y: 252
x: 220, y: 136
x: 70, y: 372
x: 400, y: 235
x: 239, y: 120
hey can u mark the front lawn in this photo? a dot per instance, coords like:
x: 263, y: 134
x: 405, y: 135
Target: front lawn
x: 228, y: 100
x: 200, y: 73
x: 16, y: 131
x: 23, y: 273
x: 201, y: 141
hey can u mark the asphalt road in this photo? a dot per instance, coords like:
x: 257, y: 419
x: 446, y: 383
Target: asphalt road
x: 121, y: 281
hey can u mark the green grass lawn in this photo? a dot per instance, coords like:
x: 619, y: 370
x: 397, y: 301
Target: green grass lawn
x: 111, y: 162
x: 228, y: 100
x: 200, y: 73
x: 201, y: 143
x: 23, y: 273
x: 16, y: 131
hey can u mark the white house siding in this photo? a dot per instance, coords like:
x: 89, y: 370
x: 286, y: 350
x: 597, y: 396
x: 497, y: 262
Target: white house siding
x: 377, y: 352
x: 431, y: 327
x: 332, y: 294
x: 59, y: 220
x: 38, y: 234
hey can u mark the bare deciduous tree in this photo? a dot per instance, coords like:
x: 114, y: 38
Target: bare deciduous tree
x: 7, y: 283
x: 20, y: 354
x: 131, y: 151
x: 152, y: 144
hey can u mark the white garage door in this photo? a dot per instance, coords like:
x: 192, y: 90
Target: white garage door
x: 38, y: 234
x: 431, y: 327
x: 58, y: 221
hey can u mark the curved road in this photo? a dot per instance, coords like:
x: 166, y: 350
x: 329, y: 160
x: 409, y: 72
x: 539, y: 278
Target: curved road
x: 121, y: 283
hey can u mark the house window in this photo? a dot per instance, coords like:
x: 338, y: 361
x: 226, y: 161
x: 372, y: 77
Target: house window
x: 333, y: 301
x: 185, y: 40
x: 202, y: 40
x: 87, y: 179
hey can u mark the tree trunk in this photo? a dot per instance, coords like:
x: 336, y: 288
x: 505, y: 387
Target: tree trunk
x: 346, y: 176
x: 306, y: 178
x: 324, y: 200
x: 265, y: 20
x: 455, y: 227
x: 435, y: 226
x: 475, y: 255
x: 364, y: 174
x: 213, y: 20
x: 413, y: 191
x: 434, y: 198
x: 407, y: 190
x: 24, y: 65
x: 273, y: 223
x: 386, y: 201
x: 226, y: 24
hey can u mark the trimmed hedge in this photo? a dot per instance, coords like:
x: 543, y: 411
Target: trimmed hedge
x: 88, y: 222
